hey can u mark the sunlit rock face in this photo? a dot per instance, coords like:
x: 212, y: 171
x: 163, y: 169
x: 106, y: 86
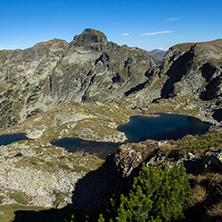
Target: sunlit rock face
x: 89, y: 68
x: 194, y: 70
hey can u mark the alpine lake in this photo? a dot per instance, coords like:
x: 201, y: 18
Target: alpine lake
x: 140, y: 128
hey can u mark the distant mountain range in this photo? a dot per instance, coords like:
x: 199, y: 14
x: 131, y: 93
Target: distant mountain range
x: 159, y: 52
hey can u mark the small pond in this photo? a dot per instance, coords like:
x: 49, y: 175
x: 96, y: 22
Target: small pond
x: 101, y: 149
x: 10, y: 138
x: 140, y: 128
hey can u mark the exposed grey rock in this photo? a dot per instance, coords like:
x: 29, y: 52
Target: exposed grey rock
x: 213, y: 159
x: 55, y: 72
x: 193, y: 70
x: 45, y: 175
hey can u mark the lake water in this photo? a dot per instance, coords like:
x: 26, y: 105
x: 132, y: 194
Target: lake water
x: 10, y: 138
x: 101, y: 149
x: 165, y: 126
x: 140, y: 128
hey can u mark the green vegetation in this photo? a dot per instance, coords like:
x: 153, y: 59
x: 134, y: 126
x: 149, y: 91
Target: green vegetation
x: 204, y: 141
x: 50, y: 164
x: 59, y: 197
x: 18, y: 198
x: 1, y: 198
x: 195, y: 144
x: 9, y: 211
x: 78, y: 168
x: 156, y: 195
x: 64, y: 166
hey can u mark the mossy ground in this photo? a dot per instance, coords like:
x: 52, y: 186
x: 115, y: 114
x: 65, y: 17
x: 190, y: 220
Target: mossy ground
x: 91, y: 121
x: 8, y: 211
x: 50, y: 158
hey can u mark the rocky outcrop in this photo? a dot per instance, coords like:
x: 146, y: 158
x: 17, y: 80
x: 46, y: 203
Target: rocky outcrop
x: 24, y: 76
x: 41, y: 175
x: 94, y: 69
x: 190, y: 70
x: 49, y: 74
x: 193, y: 70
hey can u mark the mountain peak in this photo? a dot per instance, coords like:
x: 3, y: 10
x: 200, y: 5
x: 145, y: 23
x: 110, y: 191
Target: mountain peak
x: 89, y: 36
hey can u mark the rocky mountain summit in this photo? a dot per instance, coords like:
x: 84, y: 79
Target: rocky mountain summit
x: 52, y: 73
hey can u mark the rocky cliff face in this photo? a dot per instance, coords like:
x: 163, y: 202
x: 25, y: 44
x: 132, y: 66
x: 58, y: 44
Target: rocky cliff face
x: 94, y: 69
x: 24, y: 81
x: 193, y: 70
x: 190, y: 71
x: 88, y: 69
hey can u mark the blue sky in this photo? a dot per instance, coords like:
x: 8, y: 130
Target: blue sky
x: 137, y: 23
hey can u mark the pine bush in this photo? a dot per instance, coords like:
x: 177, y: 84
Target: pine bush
x: 157, y: 195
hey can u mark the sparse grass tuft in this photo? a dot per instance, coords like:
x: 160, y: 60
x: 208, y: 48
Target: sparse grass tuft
x: 199, y: 194
x: 18, y: 198
x: 215, y: 210
x: 50, y: 164
x: 64, y: 166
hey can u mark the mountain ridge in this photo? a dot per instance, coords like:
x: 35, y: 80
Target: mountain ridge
x: 90, y: 68
x: 85, y: 89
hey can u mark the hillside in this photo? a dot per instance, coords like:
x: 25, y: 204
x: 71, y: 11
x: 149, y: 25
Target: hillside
x: 87, y: 88
x: 55, y: 72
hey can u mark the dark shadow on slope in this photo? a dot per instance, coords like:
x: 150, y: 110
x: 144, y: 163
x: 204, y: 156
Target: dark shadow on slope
x: 90, y: 192
x: 136, y: 88
x: 178, y: 69
x: 53, y: 215
x: 218, y: 115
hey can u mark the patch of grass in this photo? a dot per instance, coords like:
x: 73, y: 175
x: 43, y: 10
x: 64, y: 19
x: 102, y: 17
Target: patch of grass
x: 33, y: 163
x: 78, y: 168
x: 195, y: 144
x: 64, y: 166
x: 59, y: 197
x: 215, y: 210
x: 199, y: 194
x: 9, y: 211
x: 18, y: 198
x: 207, y: 140
x: 215, y: 179
x: 50, y: 164
x: 1, y: 198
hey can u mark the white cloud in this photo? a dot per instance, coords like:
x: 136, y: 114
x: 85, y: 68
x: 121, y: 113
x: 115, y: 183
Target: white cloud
x: 157, y: 33
x: 125, y: 34
x: 173, y: 19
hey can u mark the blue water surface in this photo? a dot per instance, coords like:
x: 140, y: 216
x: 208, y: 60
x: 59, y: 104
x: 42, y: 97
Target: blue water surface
x: 140, y: 128
x: 10, y: 138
